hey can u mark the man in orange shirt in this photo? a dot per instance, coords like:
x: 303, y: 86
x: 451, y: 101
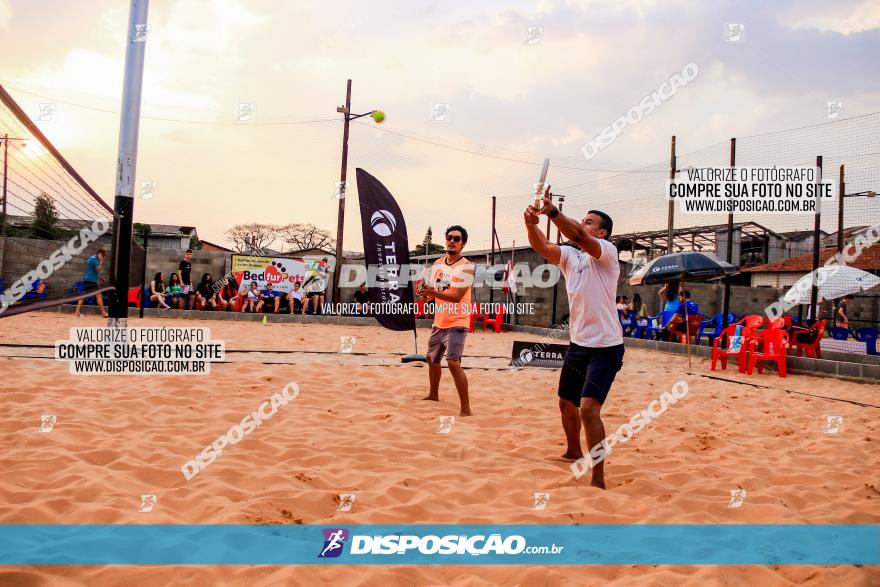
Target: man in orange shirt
x: 450, y: 288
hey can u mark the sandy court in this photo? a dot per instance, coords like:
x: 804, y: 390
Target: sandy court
x: 358, y: 427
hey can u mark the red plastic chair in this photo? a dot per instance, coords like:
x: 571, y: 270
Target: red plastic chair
x: 420, y: 309
x: 694, y: 323
x: 497, y: 322
x: 778, y: 323
x: 808, y: 343
x: 723, y: 351
x: 477, y: 316
x: 134, y: 296
x: 752, y: 321
x: 772, y: 344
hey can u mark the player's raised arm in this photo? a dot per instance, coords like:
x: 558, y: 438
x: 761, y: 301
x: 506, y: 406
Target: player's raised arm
x: 537, y: 240
x: 572, y: 229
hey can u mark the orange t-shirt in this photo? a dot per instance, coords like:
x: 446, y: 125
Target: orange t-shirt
x: 451, y: 314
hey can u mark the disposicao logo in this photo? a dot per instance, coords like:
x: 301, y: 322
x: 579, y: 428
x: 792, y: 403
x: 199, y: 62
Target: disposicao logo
x: 334, y: 540
x: 383, y: 222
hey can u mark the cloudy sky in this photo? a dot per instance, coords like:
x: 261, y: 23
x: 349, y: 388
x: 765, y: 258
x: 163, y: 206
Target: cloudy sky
x: 511, y: 100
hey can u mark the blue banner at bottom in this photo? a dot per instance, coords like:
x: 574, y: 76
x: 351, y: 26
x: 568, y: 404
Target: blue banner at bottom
x: 454, y: 544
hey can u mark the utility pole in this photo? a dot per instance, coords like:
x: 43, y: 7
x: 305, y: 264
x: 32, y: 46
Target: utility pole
x: 670, y: 215
x: 343, y: 188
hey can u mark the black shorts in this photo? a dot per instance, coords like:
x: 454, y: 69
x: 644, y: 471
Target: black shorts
x: 589, y: 372
x: 87, y: 285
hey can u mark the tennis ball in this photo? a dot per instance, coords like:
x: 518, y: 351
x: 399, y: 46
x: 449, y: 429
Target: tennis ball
x: 378, y: 116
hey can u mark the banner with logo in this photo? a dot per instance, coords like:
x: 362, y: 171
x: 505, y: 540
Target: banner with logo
x: 439, y: 544
x: 281, y: 272
x: 537, y: 354
x: 386, y: 248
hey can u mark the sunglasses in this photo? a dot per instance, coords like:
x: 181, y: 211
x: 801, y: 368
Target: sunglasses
x: 453, y: 238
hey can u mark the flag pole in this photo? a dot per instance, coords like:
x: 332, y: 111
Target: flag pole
x: 415, y: 357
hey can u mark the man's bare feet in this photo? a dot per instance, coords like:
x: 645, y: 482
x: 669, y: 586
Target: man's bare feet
x: 465, y: 411
x: 600, y: 483
x: 432, y: 398
x: 572, y: 456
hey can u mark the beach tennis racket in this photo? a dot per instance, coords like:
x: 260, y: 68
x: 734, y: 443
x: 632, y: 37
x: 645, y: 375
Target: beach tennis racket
x: 539, y: 187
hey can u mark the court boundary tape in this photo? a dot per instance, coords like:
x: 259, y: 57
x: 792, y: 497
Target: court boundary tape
x: 836, y: 399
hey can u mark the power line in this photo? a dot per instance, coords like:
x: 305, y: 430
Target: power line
x: 179, y: 120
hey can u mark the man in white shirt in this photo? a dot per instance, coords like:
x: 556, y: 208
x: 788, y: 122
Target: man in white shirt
x: 595, y: 351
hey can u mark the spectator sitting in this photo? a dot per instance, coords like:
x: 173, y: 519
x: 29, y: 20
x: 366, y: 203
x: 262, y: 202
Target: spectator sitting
x: 228, y: 296
x: 678, y: 323
x: 252, y: 299
x: 269, y: 298
x: 361, y: 299
x: 841, y: 320
x: 315, y: 283
x: 295, y: 299
x: 175, y: 290
x: 205, y: 293
x: 157, y: 291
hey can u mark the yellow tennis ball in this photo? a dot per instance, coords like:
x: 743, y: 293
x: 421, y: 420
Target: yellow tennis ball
x: 378, y: 116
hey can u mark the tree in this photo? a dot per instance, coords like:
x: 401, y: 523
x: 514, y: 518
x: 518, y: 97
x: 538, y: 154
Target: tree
x: 194, y: 243
x: 45, y: 224
x: 432, y: 250
x: 302, y: 236
x: 427, y: 245
x: 252, y: 238
x: 140, y: 230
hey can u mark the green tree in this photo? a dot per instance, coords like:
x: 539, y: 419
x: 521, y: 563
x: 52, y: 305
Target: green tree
x: 45, y: 224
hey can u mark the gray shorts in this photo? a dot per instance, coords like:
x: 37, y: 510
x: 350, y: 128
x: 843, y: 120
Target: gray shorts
x: 448, y: 340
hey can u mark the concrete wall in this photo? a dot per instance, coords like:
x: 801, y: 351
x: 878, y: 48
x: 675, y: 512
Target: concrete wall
x: 167, y: 261
x: 21, y: 255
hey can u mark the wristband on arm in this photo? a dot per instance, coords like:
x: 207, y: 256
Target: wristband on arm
x: 553, y: 213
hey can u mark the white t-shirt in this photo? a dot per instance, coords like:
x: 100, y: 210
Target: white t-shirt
x: 592, y: 289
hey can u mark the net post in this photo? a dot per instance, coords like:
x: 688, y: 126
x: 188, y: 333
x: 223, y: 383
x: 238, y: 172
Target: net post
x: 126, y: 160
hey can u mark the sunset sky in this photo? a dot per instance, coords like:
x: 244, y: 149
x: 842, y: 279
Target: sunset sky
x: 511, y: 102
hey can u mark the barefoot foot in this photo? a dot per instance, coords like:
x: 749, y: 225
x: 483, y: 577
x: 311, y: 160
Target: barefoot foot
x: 432, y: 398
x: 572, y: 455
x: 600, y: 483
x: 465, y: 411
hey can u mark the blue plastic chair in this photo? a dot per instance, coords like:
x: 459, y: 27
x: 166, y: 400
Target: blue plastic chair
x: 32, y: 295
x: 868, y: 336
x: 627, y: 321
x: 641, y: 330
x: 712, y: 327
x: 663, y: 318
x: 838, y: 333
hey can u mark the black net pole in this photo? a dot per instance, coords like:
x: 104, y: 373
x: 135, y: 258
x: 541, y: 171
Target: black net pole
x: 725, y: 310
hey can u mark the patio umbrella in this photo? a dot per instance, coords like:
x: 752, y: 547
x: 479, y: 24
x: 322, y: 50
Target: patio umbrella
x: 834, y: 281
x: 684, y: 265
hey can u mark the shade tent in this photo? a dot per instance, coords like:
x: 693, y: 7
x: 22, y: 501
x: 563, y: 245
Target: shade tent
x: 835, y: 281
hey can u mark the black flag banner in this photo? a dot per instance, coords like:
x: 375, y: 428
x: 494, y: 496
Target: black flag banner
x: 386, y: 249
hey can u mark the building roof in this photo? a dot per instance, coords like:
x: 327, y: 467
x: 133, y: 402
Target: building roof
x: 687, y: 238
x: 212, y: 247
x: 869, y: 260
x: 171, y: 230
x: 796, y: 235
x: 848, y: 235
